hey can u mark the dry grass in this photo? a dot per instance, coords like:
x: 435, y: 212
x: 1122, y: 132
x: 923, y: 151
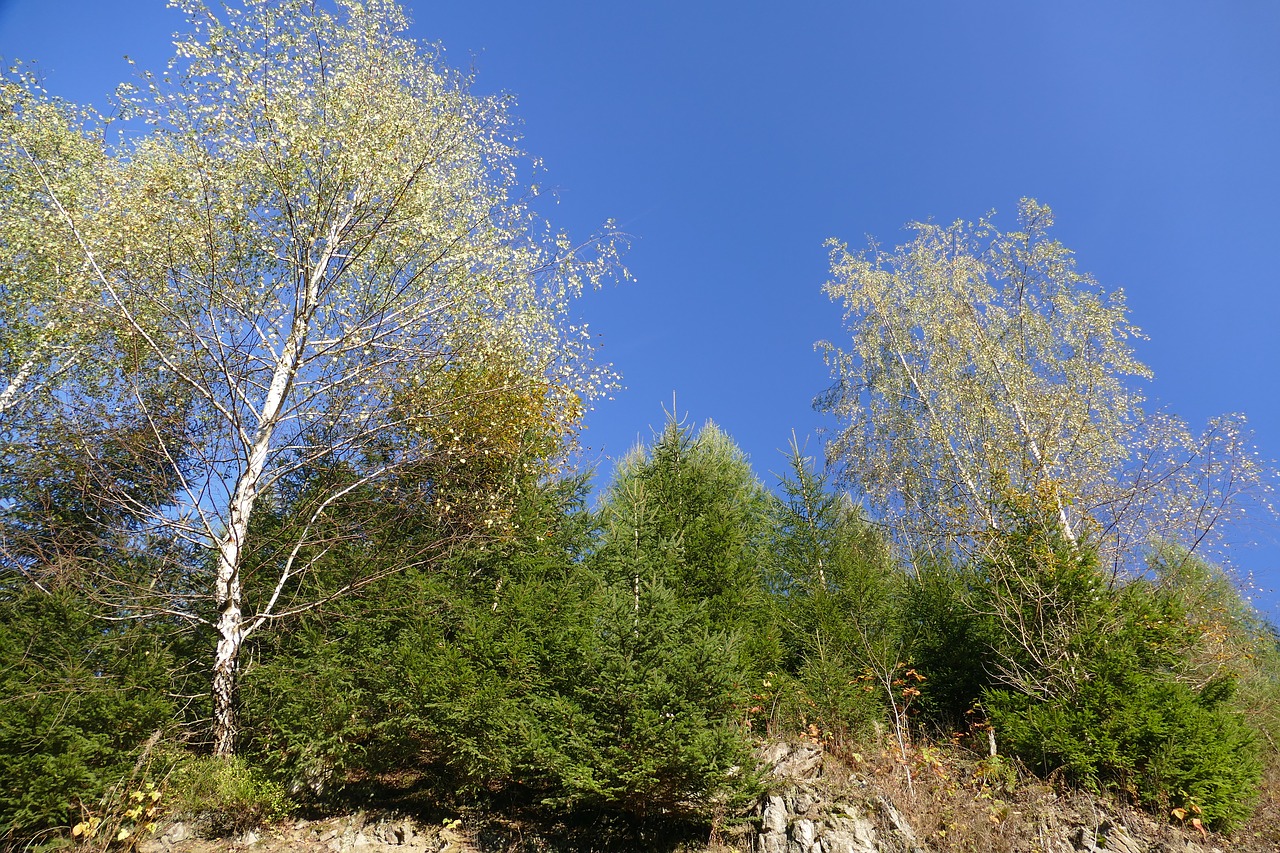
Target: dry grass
x: 958, y: 800
x: 1262, y: 831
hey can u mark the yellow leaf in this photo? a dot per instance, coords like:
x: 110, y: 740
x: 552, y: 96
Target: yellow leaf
x: 124, y: 833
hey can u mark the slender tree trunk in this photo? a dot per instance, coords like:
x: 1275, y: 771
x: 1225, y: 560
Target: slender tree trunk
x: 231, y: 547
x: 961, y: 469
x: 226, y: 661
x: 11, y: 391
x: 225, y: 672
x: 1028, y: 434
x: 227, y: 592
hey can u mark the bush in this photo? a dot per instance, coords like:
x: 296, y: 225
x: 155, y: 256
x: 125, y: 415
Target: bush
x: 650, y: 720
x: 838, y: 604
x: 825, y: 698
x: 952, y: 640
x: 688, y: 513
x: 1092, y: 680
x: 516, y: 671
x: 79, y: 698
x: 1124, y: 686
x: 228, y: 793
x: 1157, y: 741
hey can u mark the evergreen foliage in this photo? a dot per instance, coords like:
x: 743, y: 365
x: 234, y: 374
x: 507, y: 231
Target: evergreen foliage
x: 690, y: 513
x: 607, y: 667
x: 951, y: 639
x: 289, y: 382
x: 1089, y: 680
x: 649, y: 720
x: 1154, y: 739
x: 518, y: 669
x: 78, y: 699
x: 838, y: 596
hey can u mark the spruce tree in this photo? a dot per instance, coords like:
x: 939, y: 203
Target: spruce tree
x: 690, y: 514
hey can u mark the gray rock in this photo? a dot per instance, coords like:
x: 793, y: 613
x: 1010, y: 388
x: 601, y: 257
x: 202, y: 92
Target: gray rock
x: 774, y: 815
x: 1118, y: 840
x: 803, y: 837
x: 794, y: 761
x: 802, y: 801
x: 849, y: 835
x: 771, y: 842
x: 179, y: 831
x: 899, y: 824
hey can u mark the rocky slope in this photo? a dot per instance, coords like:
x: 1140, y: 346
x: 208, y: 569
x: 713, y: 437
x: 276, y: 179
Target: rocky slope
x: 814, y: 804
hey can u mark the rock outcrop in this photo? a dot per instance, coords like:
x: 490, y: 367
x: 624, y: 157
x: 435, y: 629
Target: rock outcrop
x: 804, y: 813
x: 347, y: 834
x: 815, y: 805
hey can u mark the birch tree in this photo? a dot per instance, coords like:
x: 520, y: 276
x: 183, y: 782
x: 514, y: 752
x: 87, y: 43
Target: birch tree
x: 57, y: 342
x: 47, y: 312
x: 984, y: 364
x: 326, y: 239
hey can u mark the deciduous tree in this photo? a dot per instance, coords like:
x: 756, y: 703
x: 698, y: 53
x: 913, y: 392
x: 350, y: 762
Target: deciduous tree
x: 984, y: 363
x: 326, y: 239
x: 47, y: 306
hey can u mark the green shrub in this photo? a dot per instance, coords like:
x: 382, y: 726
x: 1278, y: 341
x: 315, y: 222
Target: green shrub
x: 79, y: 697
x: 1092, y: 680
x: 650, y: 720
x: 838, y: 604
x: 827, y: 697
x: 1157, y: 741
x: 689, y: 513
x: 519, y: 671
x: 228, y: 793
x: 952, y: 639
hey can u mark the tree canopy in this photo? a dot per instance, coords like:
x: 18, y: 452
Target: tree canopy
x: 984, y: 364
x: 323, y: 240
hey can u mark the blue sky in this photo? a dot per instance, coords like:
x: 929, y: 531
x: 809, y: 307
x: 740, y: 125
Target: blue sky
x: 731, y: 139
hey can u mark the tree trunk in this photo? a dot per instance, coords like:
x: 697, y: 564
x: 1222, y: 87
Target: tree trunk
x: 231, y: 547
x: 226, y: 661
x: 225, y: 666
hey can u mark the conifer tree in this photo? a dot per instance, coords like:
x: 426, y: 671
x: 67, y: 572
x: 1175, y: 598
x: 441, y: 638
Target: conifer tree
x: 690, y: 513
x: 838, y: 591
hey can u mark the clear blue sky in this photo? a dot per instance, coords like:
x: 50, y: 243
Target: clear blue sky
x: 731, y: 139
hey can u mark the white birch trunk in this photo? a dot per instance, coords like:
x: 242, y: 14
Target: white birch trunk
x: 231, y: 547
x: 10, y: 394
x: 227, y: 657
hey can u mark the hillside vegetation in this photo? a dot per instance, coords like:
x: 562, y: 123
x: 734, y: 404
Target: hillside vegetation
x: 289, y: 520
